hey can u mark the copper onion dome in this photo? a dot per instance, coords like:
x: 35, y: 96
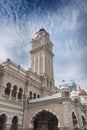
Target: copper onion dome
x: 81, y: 92
x: 41, y: 32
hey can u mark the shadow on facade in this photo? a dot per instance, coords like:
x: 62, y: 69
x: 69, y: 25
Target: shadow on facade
x: 45, y: 120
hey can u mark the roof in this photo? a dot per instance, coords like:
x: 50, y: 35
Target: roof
x: 41, y: 32
x: 81, y: 92
x: 54, y: 96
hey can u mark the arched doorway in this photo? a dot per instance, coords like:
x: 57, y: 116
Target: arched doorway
x: 3, y: 119
x: 14, y: 125
x: 45, y: 120
x: 75, y: 123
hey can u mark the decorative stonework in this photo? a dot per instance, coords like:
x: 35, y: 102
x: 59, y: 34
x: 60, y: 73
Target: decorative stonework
x: 33, y: 96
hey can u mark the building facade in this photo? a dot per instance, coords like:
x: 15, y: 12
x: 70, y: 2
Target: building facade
x: 29, y: 99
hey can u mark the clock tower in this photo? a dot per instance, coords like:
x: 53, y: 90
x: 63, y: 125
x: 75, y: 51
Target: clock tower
x: 42, y: 56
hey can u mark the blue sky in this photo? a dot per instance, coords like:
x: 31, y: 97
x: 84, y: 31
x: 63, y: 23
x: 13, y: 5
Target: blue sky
x: 66, y: 22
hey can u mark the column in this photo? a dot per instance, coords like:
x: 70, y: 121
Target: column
x: 52, y: 68
x: 8, y: 123
x: 43, y: 62
x: 17, y: 95
x: 22, y: 96
x: 10, y: 93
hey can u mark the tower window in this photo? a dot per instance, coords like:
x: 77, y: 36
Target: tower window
x: 41, y: 65
x: 36, y: 66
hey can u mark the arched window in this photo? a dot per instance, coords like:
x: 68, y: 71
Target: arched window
x: 36, y: 65
x: 8, y: 89
x: 34, y: 96
x: 14, y: 92
x: 83, y: 121
x: 30, y: 95
x: 66, y: 94
x: 3, y: 119
x: 74, y: 119
x: 14, y: 125
x: 38, y: 96
x: 20, y: 93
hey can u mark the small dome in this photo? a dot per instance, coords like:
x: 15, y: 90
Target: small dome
x: 41, y: 32
x: 81, y: 92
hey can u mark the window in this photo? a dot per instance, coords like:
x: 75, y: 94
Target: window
x: 14, y: 92
x: 66, y: 94
x: 38, y: 96
x: 20, y: 93
x: 3, y: 119
x: 76, y: 100
x: 8, y: 89
x: 30, y: 95
x: 74, y: 119
x: 34, y: 96
x: 14, y: 125
x: 84, y: 121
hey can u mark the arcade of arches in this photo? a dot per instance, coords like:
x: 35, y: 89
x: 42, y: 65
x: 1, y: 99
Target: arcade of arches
x: 45, y: 120
x: 3, y: 121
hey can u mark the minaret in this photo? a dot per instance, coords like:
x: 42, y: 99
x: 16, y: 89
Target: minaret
x: 42, y: 55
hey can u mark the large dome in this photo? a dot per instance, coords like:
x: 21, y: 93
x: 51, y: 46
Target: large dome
x: 81, y: 92
x: 41, y: 32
